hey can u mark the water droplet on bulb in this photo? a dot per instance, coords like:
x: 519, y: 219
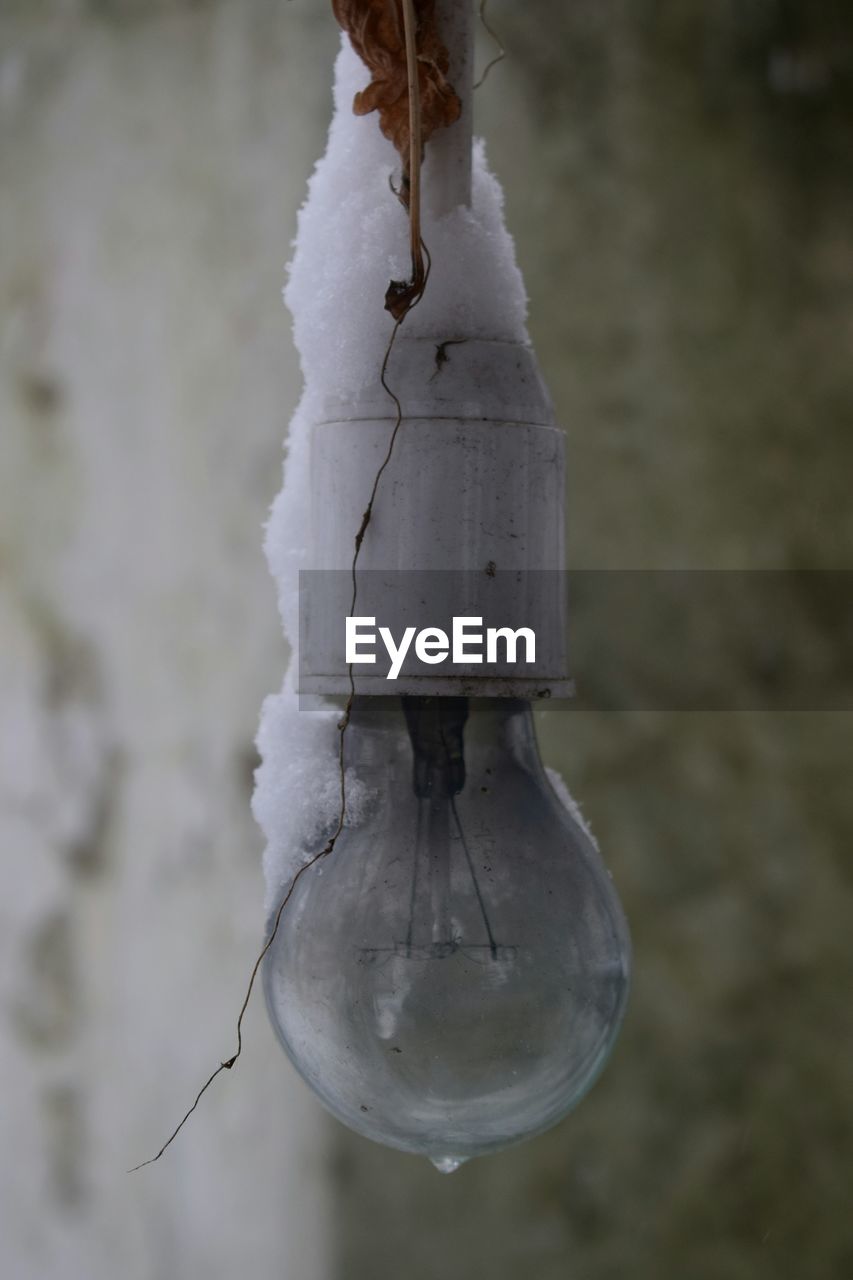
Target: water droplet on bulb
x: 447, y: 1164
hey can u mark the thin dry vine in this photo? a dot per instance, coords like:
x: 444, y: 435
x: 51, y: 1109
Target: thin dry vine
x: 406, y: 304
x: 401, y: 295
x: 501, y: 51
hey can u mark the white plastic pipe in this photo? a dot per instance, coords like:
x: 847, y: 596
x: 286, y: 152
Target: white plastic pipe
x: 447, y: 172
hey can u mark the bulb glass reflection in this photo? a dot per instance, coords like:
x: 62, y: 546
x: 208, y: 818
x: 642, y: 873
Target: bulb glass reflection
x: 451, y: 978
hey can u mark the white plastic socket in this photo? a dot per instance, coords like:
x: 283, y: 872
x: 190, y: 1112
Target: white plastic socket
x: 475, y: 483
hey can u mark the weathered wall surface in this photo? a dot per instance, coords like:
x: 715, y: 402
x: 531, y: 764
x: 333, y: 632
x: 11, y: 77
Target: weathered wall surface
x: 153, y: 157
x: 678, y: 180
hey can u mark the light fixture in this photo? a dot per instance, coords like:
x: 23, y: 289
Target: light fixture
x: 451, y: 978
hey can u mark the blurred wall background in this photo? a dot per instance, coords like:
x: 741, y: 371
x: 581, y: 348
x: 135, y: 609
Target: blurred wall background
x: 679, y: 180
x: 153, y: 159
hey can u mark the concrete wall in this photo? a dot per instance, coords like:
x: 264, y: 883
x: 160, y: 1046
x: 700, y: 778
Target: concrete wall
x: 153, y: 157
x: 678, y: 179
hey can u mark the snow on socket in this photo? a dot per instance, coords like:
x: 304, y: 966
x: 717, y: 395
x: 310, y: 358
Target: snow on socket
x: 352, y: 238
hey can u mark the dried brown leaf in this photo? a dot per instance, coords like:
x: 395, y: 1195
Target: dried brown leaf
x: 375, y: 29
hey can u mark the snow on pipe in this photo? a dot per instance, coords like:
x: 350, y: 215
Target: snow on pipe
x: 352, y: 237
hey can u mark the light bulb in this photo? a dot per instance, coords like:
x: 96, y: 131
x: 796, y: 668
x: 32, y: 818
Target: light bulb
x: 451, y: 978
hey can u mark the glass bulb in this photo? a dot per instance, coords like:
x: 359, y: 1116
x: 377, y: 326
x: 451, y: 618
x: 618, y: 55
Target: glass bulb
x: 451, y: 978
